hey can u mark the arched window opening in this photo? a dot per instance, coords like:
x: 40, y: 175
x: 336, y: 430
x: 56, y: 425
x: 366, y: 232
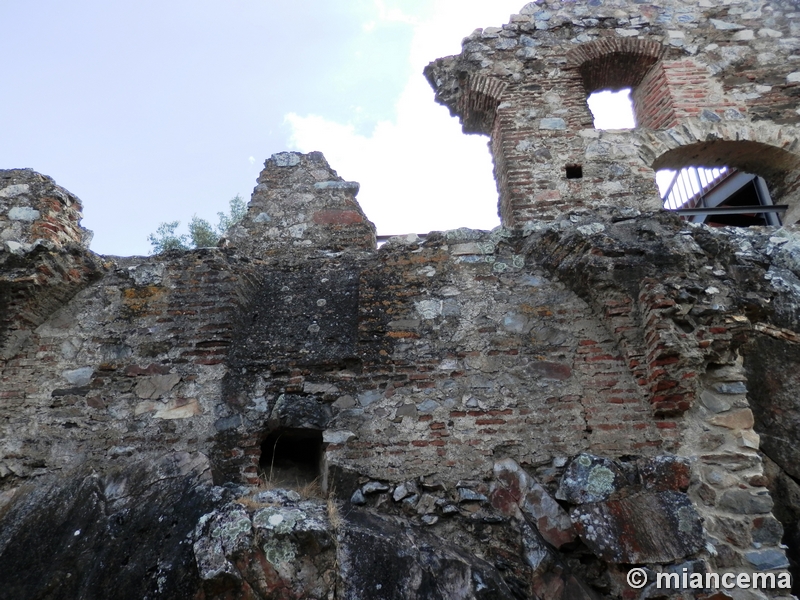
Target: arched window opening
x: 631, y: 69
x: 717, y: 196
x: 612, y: 109
x: 291, y: 457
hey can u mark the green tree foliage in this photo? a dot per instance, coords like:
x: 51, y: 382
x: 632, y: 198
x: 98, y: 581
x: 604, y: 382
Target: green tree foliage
x: 201, y: 233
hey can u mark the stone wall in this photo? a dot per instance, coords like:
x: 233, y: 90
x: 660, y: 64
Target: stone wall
x: 448, y: 379
x: 526, y: 412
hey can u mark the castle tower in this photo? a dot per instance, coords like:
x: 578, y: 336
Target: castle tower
x: 712, y: 85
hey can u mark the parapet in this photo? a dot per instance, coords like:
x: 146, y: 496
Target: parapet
x: 711, y: 85
x: 299, y: 204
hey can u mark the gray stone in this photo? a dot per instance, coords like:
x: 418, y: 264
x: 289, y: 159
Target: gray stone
x: 430, y: 519
x: 277, y: 496
x: 767, y: 530
x: 406, y: 410
x: 79, y: 377
x: 147, y: 274
x: 410, y: 502
x: 374, y: 487
x: 344, y: 402
x: 428, y: 406
x: 228, y: 423
x: 537, y: 554
x: 12, y: 191
x: 23, y: 213
x: 15, y: 247
x: 714, y: 403
x: 286, y: 159
x: 552, y: 521
x: 350, y: 187
x: 555, y: 123
x: 725, y: 26
x: 736, y: 387
x: 468, y: 495
x: 358, y: 498
x: 369, y: 397
x: 766, y: 560
x: 400, y: 492
x: 746, y: 502
x: 707, y: 115
x: 262, y: 217
x: 505, y: 44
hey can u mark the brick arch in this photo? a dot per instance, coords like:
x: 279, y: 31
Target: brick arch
x: 478, y: 104
x: 761, y: 148
x: 614, y: 63
x: 618, y: 63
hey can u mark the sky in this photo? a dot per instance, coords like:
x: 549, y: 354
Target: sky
x: 153, y: 111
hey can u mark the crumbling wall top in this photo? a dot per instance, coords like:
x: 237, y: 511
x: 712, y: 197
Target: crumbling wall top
x: 34, y: 211
x: 300, y: 203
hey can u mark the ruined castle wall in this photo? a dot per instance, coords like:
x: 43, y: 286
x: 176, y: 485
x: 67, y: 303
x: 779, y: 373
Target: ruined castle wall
x: 686, y: 63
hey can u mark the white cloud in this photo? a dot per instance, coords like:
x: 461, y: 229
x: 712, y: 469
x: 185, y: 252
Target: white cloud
x: 393, y: 15
x: 418, y: 173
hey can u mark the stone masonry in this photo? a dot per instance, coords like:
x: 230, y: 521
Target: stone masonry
x: 528, y: 412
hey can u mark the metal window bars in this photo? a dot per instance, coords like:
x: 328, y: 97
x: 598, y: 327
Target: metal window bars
x: 689, y: 186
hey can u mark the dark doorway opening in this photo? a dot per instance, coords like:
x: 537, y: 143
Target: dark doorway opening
x: 291, y: 457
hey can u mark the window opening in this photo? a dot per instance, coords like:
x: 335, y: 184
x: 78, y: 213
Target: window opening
x: 291, y: 457
x: 612, y: 109
x: 719, y: 196
x: 574, y: 171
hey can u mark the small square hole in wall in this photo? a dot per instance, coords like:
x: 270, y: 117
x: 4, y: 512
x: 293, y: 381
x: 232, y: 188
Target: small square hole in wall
x: 574, y: 171
x: 291, y: 457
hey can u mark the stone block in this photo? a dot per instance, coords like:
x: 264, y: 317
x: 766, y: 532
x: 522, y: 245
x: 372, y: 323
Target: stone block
x: 665, y: 473
x: 552, y: 521
x: 746, y: 502
x: 767, y: 560
x: 590, y: 478
x: 642, y: 528
x: 736, y: 419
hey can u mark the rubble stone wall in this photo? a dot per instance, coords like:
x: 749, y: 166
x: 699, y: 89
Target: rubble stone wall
x: 527, y: 412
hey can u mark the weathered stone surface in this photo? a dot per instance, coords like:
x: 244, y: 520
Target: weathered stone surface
x: 643, y: 528
x: 766, y: 560
x: 590, y: 479
x: 301, y: 203
x: 737, y: 419
x: 50, y: 542
x: 665, y: 473
x: 284, y: 547
x: 386, y: 561
x: 374, y: 487
x: 552, y: 521
x: 515, y: 494
x: 746, y: 502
